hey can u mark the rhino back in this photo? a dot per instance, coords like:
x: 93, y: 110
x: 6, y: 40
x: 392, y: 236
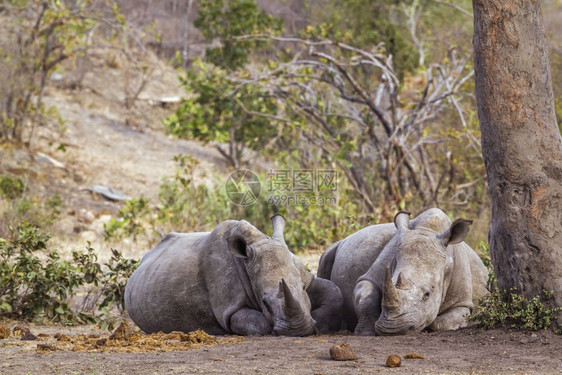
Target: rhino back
x: 354, y: 257
x: 175, y: 286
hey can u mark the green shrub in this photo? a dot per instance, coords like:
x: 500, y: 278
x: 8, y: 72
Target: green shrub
x: 36, y: 283
x: 11, y: 187
x: 115, y: 279
x: 510, y: 309
x: 129, y: 221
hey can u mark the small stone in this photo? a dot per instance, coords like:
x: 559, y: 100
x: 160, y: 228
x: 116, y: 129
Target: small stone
x: 170, y: 342
x: 534, y: 338
x: 85, y: 216
x: 4, y: 332
x: 101, y: 342
x: 342, y: 352
x: 29, y: 337
x: 43, y: 335
x: 20, y: 331
x: 393, y: 361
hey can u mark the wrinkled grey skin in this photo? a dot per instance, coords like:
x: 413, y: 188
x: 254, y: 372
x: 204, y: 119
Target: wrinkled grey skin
x: 233, y: 280
x: 405, y: 276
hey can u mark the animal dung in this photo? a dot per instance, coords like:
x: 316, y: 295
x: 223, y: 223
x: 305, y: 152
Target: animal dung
x: 4, y: 332
x: 20, y: 331
x: 29, y: 337
x: 123, y: 332
x: 342, y: 352
x: 414, y: 355
x: 393, y: 361
x: 62, y: 337
x: 45, y: 348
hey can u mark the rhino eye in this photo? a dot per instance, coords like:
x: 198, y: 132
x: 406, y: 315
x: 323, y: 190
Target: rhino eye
x: 426, y: 293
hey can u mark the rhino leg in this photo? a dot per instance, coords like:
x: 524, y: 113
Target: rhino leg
x: 249, y: 322
x: 326, y: 301
x: 451, y: 319
x: 367, y: 298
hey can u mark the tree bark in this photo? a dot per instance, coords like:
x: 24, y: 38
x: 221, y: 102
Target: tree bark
x: 521, y: 145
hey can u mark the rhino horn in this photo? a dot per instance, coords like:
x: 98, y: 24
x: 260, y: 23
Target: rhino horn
x: 402, y: 220
x: 278, y: 222
x: 390, y: 296
x: 291, y: 305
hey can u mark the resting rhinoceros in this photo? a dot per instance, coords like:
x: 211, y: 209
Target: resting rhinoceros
x: 406, y: 276
x: 234, y: 279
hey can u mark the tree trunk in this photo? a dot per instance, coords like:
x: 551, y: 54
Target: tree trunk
x: 521, y: 144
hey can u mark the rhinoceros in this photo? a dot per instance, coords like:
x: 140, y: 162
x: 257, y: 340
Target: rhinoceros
x: 406, y: 276
x: 233, y: 280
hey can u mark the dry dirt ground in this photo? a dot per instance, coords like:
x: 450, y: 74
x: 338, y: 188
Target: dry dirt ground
x: 124, y: 149
x: 467, y: 351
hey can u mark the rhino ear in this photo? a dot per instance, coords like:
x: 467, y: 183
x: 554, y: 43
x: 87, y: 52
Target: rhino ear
x: 402, y: 220
x: 456, y: 233
x: 238, y: 246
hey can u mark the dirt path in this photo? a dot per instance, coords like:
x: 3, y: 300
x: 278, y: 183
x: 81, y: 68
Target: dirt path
x: 468, y: 351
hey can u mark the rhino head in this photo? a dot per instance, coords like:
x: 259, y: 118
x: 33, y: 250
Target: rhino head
x: 413, y: 285
x: 277, y: 288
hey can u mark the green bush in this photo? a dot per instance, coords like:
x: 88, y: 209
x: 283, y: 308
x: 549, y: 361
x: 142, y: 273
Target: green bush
x: 128, y: 223
x: 510, y: 309
x: 11, y: 187
x: 36, y: 283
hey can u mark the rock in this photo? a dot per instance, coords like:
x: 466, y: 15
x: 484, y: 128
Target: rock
x: 393, y: 361
x: 20, y: 331
x: 43, y: 158
x: 43, y: 335
x: 4, y: 332
x: 29, y: 337
x: 109, y: 193
x: 342, y: 352
x: 85, y: 216
x: 534, y: 338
